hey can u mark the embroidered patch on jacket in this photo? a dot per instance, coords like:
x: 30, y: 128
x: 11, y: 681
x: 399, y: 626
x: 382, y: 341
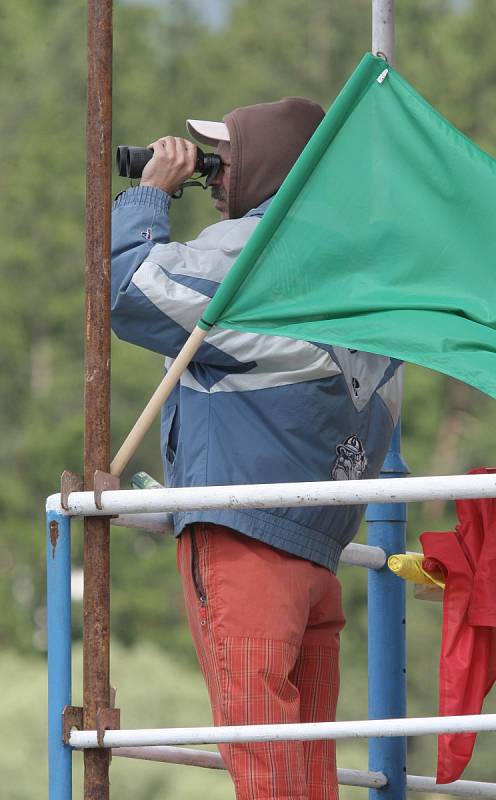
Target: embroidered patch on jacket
x: 147, y: 234
x: 351, y: 460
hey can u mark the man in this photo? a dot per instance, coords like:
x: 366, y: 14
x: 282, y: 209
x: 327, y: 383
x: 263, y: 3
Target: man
x: 262, y: 598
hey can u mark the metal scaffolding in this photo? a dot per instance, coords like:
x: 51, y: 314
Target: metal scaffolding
x: 95, y: 727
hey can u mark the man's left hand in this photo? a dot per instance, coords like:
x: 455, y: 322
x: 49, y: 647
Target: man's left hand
x: 172, y: 163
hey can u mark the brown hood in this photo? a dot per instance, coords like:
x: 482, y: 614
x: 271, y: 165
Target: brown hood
x: 266, y: 139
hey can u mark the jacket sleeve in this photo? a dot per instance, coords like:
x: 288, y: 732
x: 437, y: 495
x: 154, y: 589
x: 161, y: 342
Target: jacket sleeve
x: 161, y: 288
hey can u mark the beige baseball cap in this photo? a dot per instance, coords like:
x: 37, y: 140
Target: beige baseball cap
x: 206, y: 132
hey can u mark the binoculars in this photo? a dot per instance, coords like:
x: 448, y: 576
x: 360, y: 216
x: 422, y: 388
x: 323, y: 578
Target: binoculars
x: 131, y: 161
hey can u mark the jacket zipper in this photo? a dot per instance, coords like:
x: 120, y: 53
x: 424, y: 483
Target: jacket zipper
x: 195, y: 572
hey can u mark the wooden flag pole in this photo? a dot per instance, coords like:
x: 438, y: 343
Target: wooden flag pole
x: 156, y: 401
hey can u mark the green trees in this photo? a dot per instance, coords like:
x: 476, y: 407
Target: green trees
x: 170, y: 65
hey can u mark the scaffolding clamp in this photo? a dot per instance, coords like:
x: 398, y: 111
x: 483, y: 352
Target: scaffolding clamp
x: 69, y: 482
x: 72, y: 717
x: 107, y: 719
x: 104, y: 482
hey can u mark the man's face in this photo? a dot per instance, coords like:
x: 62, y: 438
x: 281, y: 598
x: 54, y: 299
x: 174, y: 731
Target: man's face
x: 219, y: 187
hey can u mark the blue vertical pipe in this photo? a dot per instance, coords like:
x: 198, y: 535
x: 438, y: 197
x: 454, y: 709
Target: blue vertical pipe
x: 58, y: 556
x: 386, y: 634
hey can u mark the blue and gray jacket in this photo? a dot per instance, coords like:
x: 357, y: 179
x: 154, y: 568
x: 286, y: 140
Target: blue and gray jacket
x: 250, y: 408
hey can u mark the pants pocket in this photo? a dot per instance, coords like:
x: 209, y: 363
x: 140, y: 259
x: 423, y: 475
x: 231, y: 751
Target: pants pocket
x: 196, y: 575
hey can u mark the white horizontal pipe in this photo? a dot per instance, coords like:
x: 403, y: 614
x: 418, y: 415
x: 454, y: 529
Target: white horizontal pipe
x: 173, y: 755
x: 346, y: 777
x: 274, y: 495
x: 304, y: 731
x: 157, y: 522
x: 213, y: 760
x: 417, y: 783
x: 363, y: 555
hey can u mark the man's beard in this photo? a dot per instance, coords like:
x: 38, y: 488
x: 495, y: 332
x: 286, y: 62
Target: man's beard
x: 218, y: 193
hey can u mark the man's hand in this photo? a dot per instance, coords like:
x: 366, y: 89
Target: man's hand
x: 172, y: 163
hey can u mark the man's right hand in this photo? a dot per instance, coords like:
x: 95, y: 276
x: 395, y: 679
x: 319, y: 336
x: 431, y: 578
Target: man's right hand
x: 172, y: 163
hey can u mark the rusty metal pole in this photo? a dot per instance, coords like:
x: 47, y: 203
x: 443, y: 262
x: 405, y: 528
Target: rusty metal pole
x: 96, y: 604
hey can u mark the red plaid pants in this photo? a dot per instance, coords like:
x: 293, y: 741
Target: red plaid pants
x: 265, y: 625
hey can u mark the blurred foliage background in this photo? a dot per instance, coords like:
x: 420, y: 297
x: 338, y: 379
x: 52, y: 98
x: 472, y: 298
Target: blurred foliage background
x: 173, y: 60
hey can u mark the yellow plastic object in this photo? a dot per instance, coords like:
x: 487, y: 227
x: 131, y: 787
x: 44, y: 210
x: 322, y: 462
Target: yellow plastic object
x: 409, y: 567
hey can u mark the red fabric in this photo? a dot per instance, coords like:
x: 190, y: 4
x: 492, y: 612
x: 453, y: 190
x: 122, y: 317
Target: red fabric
x: 266, y: 632
x: 467, y: 556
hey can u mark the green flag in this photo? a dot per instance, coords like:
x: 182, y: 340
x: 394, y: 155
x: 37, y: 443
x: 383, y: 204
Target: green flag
x: 382, y: 238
